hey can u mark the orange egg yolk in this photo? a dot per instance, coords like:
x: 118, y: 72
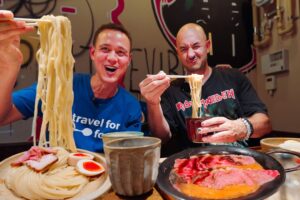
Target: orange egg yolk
x: 79, y: 154
x: 91, y: 166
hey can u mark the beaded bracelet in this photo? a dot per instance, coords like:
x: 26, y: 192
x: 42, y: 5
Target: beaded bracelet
x: 249, y: 128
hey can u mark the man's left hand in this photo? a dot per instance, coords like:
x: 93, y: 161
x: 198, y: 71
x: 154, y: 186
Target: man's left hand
x: 225, y: 130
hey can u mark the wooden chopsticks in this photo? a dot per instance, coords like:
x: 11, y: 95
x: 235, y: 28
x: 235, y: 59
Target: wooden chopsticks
x: 178, y: 76
x: 174, y: 76
x: 30, y: 21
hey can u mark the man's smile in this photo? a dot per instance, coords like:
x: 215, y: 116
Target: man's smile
x: 110, y: 68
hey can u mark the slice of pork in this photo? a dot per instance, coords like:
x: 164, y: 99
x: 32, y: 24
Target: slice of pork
x: 34, y: 153
x: 43, y: 163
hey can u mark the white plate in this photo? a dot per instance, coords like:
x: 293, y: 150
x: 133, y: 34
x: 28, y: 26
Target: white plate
x: 92, y: 190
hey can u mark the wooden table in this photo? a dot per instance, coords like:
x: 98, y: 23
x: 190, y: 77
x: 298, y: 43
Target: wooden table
x: 152, y: 195
x: 289, y: 190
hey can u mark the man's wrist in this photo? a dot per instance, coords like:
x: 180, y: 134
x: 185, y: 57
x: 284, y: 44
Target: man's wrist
x: 153, y: 103
x: 249, y: 128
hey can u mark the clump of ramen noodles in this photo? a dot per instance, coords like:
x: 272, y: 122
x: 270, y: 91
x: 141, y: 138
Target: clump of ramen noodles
x: 55, y: 82
x: 195, y: 82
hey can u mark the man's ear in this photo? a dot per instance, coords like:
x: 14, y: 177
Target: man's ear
x: 130, y: 57
x: 92, y: 52
x: 176, y: 48
x: 208, y: 46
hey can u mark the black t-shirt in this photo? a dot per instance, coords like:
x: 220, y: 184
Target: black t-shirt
x: 226, y: 93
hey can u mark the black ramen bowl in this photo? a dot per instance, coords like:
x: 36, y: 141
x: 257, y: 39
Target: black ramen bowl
x: 265, y: 160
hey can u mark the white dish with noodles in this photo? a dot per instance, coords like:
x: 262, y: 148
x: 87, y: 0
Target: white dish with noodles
x: 87, y: 188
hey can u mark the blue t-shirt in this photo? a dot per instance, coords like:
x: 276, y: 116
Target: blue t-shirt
x: 92, y: 117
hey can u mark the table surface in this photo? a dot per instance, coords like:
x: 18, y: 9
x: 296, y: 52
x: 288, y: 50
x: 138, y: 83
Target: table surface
x: 288, y: 191
x: 291, y: 187
x: 152, y: 195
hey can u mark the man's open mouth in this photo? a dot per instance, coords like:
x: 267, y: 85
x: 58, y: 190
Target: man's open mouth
x: 110, y: 69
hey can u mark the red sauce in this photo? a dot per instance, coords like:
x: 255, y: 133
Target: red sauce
x: 91, y: 166
x: 80, y: 154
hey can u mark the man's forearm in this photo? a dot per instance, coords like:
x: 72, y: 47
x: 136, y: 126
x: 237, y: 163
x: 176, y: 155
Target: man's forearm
x: 7, y: 80
x: 261, y: 125
x: 158, y: 124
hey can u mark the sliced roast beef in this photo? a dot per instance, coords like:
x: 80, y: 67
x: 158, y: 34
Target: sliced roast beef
x: 262, y: 176
x: 200, y: 177
x: 215, y: 161
x: 218, y: 171
x: 220, y: 178
x: 209, y: 162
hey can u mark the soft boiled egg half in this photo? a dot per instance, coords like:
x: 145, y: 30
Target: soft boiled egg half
x: 89, y: 167
x: 75, y: 157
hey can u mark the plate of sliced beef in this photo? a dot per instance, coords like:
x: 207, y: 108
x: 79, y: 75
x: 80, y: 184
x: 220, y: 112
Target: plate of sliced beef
x: 221, y: 172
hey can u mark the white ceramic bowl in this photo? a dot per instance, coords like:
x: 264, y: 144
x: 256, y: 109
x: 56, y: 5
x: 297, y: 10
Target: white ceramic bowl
x: 274, y: 142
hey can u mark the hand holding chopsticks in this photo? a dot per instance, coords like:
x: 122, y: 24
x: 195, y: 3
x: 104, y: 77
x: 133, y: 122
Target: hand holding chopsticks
x: 10, y: 28
x: 10, y: 31
x: 28, y: 21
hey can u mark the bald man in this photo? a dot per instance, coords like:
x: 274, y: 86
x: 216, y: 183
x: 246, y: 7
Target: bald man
x: 226, y: 94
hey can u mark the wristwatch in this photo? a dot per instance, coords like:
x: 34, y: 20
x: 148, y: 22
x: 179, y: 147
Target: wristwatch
x: 249, y: 128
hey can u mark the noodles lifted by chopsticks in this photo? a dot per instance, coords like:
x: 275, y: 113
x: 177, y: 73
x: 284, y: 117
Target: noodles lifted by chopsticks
x: 55, y: 82
x: 195, y: 82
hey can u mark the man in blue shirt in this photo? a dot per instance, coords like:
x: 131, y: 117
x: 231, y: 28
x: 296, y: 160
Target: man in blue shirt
x: 100, y: 104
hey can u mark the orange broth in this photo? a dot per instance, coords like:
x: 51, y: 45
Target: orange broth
x: 228, y: 192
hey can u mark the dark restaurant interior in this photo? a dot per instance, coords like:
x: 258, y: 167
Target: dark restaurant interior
x: 260, y: 38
